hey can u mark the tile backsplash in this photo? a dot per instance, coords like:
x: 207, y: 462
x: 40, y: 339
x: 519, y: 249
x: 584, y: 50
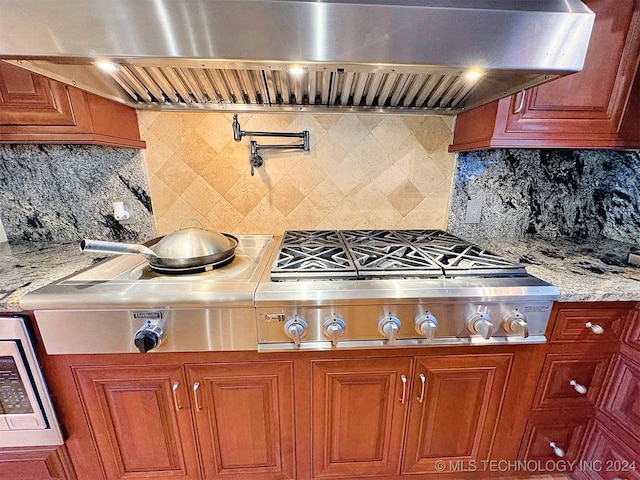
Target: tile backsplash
x: 62, y: 193
x: 363, y: 171
x: 552, y: 193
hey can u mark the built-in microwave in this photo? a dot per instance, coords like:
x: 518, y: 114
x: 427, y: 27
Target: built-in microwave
x: 27, y: 417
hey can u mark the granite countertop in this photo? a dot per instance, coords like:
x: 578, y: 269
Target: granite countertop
x: 25, y: 267
x: 585, y: 270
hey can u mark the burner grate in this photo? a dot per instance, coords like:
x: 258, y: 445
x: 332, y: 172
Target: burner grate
x: 368, y: 254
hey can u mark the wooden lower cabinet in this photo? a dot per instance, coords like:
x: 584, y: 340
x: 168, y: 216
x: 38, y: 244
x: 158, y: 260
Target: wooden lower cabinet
x: 142, y: 420
x: 358, y: 412
x: 454, y: 410
x: 452, y: 404
x: 244, y: 418
x: 137, y: 427
x: 36, y: 463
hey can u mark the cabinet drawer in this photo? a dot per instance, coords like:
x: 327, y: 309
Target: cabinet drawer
x: 622, y: 397
x: 589, y: 325
x: 571, y: 381
x: 550, y: 436
x: 606, y: 457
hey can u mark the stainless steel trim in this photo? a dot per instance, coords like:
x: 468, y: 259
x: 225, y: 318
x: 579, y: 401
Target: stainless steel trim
x: 373, y: 344
x: 520, y: 106
x: 13, y: 328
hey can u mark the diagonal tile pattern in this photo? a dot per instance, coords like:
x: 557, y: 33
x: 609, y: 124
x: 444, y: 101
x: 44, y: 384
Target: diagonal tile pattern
x: 363, y: 171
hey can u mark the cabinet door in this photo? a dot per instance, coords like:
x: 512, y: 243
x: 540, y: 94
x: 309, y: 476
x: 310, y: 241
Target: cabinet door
x: 30, y: 99
x: 587, y: 109
x: 606, y: 457
x: 622, y: 397
x: 454, y: 409
x: 244, y: 418
x: 358, y: 412
x: 140, y: 421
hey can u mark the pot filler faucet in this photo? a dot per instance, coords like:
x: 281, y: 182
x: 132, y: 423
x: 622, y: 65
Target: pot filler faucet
x: 255, y: 159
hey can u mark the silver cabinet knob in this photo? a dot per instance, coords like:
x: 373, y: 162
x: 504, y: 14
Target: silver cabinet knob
x: 426, y: 324
x: 557, y: 451
x: 480, y: 323
x: 581, y: 389
x: 389, y: 326
x: 595, y: 328
x: 295, y: 328
x: 515, y: 322
x: 333, y: 327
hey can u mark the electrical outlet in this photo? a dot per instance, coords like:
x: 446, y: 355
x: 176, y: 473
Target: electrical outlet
x: 123, y: 211
x: 474, y: 210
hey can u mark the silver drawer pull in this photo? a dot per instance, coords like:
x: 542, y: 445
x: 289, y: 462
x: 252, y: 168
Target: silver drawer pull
x: 557, y: 450
x: 595, y: 328
x: 581, y: 389
x: 521, y: 104
x: 175, y: 395
x: 404, y: 388
x: 423, y: 381
x: 196, y: 387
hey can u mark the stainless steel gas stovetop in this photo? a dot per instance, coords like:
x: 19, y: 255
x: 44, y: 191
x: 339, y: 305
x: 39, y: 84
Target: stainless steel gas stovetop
x: 305, y: 290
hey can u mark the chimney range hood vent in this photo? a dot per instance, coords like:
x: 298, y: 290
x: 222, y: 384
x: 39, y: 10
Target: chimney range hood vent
x: 403, y: 56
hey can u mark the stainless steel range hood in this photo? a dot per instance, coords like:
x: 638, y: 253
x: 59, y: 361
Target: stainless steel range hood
x: 421, y: 56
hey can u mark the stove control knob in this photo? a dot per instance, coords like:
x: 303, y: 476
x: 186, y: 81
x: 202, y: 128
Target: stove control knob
x: 146, y: 340
x: 295, y: 328
x: 480, y: 323
x: 426, y: 324
x: 333, y: 328
x: 388, y: 326
x: 514, y: 322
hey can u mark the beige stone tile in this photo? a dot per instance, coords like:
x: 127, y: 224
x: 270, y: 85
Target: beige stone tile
x: 433, y: 133
x: 283, y: 161
x: 372, y: 121
x: 156, y: 153
x: 162, y: 197
x: 243, y: 195
x: 348, y: 132
x: 178, y: 212
x: 216, y: 172
x: 391, y: 132
x: 306, y: 215
x: 390, y: 179
x: 176, y: 174
x: 430, y: 180
x: 348, y: 177
x: 430, y: 213
x: 306, y: 176
x: 306, y: 122
x: 414, y: 160
x: 327, y: 120
x: 223, y: 217
x: 236, y: 155
x: 266, y: 217
x: 346, y: 215
x: 444, y: 161
x: 329, y: 155
x: 405, y: 197
x: 413, y: 122
x: 174, y: 129
x: 215, y: 129
x: 162, y: 226
x: 285, y: 196
x: 326, y: 195
x: 246, y: 227
x: 146, y: 118
x: 371, y: 156
x: 266, y: 122
x: 201, y: 196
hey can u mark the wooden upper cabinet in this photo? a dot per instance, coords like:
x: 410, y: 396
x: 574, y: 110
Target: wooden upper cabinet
x: 140, y: 421
x: 244, y: 418
x: 358, y: 412
x: 595, y: 108
x: 36, y: 109
x: 454, y: 411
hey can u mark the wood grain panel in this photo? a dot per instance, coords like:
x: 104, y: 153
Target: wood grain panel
x: 36, y: 463
x: 564, y: 430
x: 570, y: 325
x: 555, y: 389
x: 622, y: 397
x: 30, y: 99
x: 633, y: 336
x: 605, y: 457
x: 133, y: 418
x: 245, y: 424
x: 457, y: 417
x: 358, y: 416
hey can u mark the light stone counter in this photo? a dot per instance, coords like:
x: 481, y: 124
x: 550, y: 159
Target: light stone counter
x: 585, y: 270
x: 593, y: 270
x: 25, y: 267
